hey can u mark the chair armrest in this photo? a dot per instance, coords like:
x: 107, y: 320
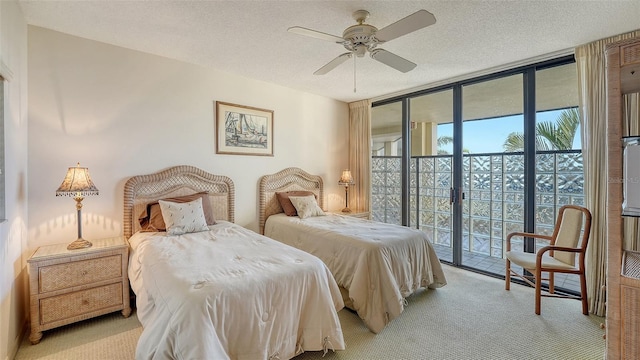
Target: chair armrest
x: 548, y: 248
x: 525, y: 234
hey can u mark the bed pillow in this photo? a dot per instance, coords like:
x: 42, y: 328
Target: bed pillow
x: 151, y: 217
x: 306, y: 206
x: 182, y: 218
x: 287, y: 206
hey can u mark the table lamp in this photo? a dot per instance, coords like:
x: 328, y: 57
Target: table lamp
x: 346, y: 179
x: 77, y: 183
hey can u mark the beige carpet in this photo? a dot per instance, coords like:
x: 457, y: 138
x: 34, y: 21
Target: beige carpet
x: 473, y: 317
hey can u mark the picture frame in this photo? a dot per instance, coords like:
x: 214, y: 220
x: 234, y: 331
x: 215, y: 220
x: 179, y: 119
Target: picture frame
x: 243, y: 130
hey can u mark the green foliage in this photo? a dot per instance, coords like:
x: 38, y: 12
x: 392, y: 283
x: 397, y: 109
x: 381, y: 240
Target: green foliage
x: 445, y: 140
x: 549, y: 135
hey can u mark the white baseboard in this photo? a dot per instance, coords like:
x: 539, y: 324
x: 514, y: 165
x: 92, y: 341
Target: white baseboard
x: 13, y: 351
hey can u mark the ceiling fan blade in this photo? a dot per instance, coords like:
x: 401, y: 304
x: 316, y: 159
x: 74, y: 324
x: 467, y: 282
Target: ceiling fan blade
x: 333, y: 63
x: 413, y: 22
x: 315, y: 34
x: 393, y: 60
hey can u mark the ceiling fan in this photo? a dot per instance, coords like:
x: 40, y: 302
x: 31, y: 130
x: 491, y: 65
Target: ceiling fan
x: 362, y: 38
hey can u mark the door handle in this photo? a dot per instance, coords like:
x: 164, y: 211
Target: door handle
x: 456, y: 196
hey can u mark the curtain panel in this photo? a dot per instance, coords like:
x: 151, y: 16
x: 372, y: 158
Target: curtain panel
x: 360, y: 154
x: 592, y: 93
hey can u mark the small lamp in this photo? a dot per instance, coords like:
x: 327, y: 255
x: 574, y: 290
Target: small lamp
x: 346, y: 179
x: 77, y: 183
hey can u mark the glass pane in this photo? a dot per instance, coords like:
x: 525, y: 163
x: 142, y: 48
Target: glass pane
x: 493, y: 179
x: 386, y: 152
x: 557, y: 116
x: 432, y: 164
x: 559, y: 170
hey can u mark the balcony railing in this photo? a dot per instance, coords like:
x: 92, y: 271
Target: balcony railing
x: 493, y: 184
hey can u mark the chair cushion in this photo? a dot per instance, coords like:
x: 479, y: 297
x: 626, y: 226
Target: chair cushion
x: 569, y: 235
x: 528, y: 261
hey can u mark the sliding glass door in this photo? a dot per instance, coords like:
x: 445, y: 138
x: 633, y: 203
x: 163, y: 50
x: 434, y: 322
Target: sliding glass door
x: 492, y: 182
x: 468, y: 163
x: 431, y: 175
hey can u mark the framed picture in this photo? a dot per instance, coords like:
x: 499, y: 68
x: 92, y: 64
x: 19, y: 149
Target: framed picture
x: 243, y: 130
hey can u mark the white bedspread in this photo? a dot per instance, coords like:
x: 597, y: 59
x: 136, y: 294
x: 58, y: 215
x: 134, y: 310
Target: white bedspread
x: 378, y: 264
x: 230, y: 293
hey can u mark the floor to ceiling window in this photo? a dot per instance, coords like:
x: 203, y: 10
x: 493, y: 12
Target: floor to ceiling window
x: 485, y: 157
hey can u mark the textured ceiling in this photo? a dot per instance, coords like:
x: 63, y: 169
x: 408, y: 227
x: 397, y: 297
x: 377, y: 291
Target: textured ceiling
x: 250, y: 38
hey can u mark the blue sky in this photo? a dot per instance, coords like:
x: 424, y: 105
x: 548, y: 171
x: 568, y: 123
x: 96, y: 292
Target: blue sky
x: 488, y: 135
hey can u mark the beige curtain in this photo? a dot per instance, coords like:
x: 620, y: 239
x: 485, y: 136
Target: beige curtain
x: 591, y: 65
x: 360, y: 154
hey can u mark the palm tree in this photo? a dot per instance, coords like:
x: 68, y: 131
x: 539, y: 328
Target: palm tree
x: 549, y: 135
x: 443, y: 141
x: 446, y: 140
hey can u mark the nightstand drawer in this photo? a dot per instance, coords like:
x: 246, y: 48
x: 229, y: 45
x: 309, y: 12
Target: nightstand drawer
x: 70, y: 305
x: 66, y: 275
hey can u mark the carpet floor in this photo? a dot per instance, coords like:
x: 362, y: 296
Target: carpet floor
x: 473, y: 317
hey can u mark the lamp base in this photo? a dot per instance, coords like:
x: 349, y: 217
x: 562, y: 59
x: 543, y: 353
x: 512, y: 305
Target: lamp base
x: 79, y: 244
x: 346, y: 210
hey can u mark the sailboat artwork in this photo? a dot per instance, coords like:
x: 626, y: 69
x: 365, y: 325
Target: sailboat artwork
x: 243, y: 130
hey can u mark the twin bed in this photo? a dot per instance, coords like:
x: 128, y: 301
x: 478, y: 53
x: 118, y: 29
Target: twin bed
x: 220, y: 291
x: 227, y: 292
x: 376, y: 265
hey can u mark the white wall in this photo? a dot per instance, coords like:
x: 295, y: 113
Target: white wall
x: 13, y: 231
x: 122, y: 113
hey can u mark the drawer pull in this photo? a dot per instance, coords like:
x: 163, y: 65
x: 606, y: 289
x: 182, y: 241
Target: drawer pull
x: 85, y: 302
x: 84, y: 272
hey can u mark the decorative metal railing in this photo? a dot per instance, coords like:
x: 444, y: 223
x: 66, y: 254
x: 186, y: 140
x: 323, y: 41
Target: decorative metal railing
x: 493, y: 184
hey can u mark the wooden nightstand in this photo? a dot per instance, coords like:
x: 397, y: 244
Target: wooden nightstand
x: 353, y: 213
x: 73, y: 285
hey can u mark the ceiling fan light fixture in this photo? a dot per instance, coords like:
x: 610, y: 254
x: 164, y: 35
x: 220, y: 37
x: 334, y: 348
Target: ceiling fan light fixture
x: 360, y: 50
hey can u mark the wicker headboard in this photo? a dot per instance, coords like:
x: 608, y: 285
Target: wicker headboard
x: 176, y: 181
x: 289, y: 179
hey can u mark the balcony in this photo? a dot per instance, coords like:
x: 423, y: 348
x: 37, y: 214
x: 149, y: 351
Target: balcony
x: 493, y: 206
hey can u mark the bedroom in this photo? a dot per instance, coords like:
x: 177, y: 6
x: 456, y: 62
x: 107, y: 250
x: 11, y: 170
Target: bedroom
x: 121, y: 113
